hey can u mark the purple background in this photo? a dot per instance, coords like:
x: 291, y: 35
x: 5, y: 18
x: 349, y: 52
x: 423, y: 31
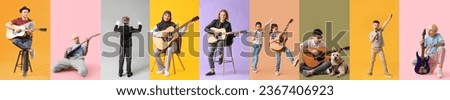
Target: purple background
x: 239, y: 18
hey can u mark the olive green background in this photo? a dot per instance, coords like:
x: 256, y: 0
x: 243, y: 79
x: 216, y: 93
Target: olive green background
x: 332, y: 17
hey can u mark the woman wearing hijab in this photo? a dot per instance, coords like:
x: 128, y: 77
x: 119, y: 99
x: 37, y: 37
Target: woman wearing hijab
x: 165, y: 23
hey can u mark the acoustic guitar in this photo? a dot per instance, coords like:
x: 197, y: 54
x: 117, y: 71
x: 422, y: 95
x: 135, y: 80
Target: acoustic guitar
x: 11, y: 34
x: 281, y: 39
x: 313, y: 61
x: 221, y: 34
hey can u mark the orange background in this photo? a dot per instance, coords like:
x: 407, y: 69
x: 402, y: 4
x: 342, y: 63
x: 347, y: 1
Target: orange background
x: 362, y: 14
x: 281, y: 11
x: 40, y: 14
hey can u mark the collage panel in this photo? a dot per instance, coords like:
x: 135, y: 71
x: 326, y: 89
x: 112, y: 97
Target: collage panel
x: 26, y: 45
x: 180, y: 60
x: 73, y: 54
x: 279, y: 20
x: 375, y: 39
x: 324, y: 29
x: 424, y: 21
x: 124, y: 40
x: 224, y: 56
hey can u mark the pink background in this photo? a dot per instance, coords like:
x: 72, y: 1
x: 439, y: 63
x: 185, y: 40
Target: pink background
x: 415, y: 15
x: 75, y: 16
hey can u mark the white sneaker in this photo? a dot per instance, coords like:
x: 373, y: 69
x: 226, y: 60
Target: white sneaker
x: 166, y: 73
x: 440, y: 74
x: 32, y: 53
x: 159, y: 72
x: 277, y: 73
x: 254, y: 70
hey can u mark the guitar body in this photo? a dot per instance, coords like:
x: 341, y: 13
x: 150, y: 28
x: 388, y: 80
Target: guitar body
x: 162, y: 43
x: 422, y: 67
x: 282, y: 38
x: 313, y: 61
x: 11, y: 34
x: 278, y: 46
x: 213, y: 38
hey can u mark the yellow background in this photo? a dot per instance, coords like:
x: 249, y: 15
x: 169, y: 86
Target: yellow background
x: 182, y: 11
x: 362, y: 14
x: 40, y: 14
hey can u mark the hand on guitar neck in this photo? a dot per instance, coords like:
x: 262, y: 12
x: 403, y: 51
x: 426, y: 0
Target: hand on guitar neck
x: 173, y: 29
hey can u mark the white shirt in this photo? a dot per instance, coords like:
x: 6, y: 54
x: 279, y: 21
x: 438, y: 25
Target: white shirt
x: 258, y: 37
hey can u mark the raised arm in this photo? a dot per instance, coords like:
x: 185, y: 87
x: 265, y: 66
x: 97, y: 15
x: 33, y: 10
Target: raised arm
x: 133, y: 30
x: 386, y: 22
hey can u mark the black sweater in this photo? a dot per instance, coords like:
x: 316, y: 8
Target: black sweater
x: 125, y: 34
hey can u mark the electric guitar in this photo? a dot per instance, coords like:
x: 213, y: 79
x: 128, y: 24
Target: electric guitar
x: 313, y: 61
x: 78, y: 47
x: 11, y: 34
x: 221, y: 34
x: 422, y: 66
x: 281, y: 39
x: 164, y: 42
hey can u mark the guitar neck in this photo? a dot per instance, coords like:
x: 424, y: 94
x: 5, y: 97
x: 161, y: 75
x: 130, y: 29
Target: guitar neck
x: 184, y: 25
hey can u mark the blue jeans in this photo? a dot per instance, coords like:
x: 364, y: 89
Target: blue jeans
x: 256, y: 50
x: 25, y: 45
x: 288, y: 54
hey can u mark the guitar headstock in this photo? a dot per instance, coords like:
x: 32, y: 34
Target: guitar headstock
x: 424, y: 32
x: 43, y: 29
x: 94, y: 35
x: 243, y: 31
x: 346, y: 48
x: 195, y: 18
x: 291, y: 20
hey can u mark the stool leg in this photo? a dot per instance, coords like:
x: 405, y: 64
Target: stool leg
x: 29, y: 65
x: 17, y: 62
x: 173, y: 63
x: 180, y: 61
x: 232, y: 60
x: 223, y: 62
x: 153, y: 67
x: 21, y: 61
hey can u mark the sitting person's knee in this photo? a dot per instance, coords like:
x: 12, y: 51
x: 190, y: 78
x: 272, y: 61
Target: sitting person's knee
x: 441, y: 48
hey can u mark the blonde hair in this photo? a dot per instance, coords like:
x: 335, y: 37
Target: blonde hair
x: 75, y: 35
